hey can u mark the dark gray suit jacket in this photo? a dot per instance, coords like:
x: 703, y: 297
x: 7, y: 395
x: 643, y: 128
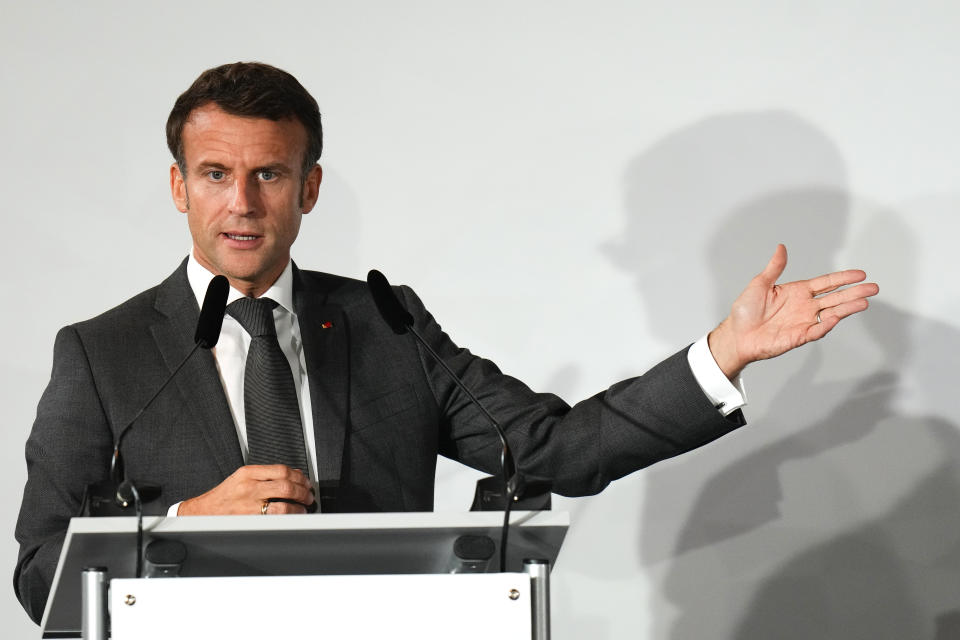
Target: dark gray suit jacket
x: 382, y: 411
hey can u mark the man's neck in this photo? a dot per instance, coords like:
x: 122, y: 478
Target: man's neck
x: 280, y: 290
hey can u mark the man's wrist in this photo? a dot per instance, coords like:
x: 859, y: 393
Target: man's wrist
x: 724, y: 394
x: 723, y: 348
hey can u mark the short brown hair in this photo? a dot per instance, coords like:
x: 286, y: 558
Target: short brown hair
x: 250, y: 89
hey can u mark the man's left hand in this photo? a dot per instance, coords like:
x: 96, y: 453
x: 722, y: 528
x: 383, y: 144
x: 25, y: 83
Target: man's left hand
x: 769, y: 319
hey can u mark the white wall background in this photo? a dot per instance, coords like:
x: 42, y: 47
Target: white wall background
x: 577, y: 189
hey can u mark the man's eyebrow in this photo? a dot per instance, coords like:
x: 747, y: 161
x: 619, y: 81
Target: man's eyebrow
x: 211, y: 165
x: 276, y: 167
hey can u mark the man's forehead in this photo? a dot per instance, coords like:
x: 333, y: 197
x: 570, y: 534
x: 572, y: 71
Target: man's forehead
x: 210, y: 130
x: 211, y: 113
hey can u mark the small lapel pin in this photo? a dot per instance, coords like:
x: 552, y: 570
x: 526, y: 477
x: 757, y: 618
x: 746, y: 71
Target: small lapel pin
x: 326, y: 325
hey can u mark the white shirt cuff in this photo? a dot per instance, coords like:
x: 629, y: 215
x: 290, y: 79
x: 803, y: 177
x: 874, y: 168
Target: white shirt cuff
x: 725, y: 395
x: 172, y: 511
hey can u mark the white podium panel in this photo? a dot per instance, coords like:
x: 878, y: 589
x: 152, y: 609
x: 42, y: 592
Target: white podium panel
x: 422, y: 606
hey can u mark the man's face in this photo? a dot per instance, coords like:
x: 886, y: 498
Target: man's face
x: 243, y: 193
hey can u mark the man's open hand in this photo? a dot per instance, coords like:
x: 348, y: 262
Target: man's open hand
x: 249, y: 488
x: 769, y: 318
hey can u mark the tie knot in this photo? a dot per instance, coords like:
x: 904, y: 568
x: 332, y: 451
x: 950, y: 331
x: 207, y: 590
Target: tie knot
x: 255, y: 315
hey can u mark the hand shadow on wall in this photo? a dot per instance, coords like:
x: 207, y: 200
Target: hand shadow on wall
x: 828, y: 394
x: 826, y: 418
x: 895, y: 571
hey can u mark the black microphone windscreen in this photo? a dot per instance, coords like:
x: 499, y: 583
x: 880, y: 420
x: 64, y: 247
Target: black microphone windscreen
x: 211, y: 313
x: 387, y: 304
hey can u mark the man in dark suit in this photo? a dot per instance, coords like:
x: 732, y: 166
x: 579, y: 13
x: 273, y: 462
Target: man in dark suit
x: 375, y: 410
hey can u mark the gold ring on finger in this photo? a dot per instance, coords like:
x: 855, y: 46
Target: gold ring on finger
x: 264, y: 506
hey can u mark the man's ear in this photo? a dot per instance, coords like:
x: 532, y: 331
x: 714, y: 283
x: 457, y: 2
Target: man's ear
x: 178, y: 189
x: 311, y: 189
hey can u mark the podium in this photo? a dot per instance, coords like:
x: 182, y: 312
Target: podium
x: 317, y: 575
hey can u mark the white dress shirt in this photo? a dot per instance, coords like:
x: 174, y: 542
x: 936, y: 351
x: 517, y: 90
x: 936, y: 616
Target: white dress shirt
x: 231, y: 355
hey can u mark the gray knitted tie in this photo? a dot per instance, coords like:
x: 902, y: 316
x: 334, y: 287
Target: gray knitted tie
x: 274, y: 430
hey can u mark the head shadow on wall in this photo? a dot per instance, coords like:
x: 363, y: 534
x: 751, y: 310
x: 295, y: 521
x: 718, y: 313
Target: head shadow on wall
x: 683, y: 191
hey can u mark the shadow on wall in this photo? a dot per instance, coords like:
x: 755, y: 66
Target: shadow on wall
x: 680, y: 190
x: 332, y: 235
x: 891, y: 569
x: 833, y: 514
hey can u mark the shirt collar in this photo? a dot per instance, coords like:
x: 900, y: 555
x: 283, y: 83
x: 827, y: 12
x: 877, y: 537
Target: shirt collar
x: 280, y: 291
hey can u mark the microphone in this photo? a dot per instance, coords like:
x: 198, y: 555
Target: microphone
x: 401, y: 321
x: 398, y: 318
x: 211, y: 313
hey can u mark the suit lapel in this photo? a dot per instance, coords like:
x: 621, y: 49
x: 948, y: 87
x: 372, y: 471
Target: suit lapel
x: 324, y: 336
x: 198, y: 382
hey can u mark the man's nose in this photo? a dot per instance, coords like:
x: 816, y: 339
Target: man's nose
x: 245, y: 196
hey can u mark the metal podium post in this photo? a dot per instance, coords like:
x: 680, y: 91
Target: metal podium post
x: 539, y: 572
x: 93, y: 624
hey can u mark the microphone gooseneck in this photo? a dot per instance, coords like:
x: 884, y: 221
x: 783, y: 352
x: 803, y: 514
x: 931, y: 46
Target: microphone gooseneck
x: 401, y: 321
x: 206, y: 336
